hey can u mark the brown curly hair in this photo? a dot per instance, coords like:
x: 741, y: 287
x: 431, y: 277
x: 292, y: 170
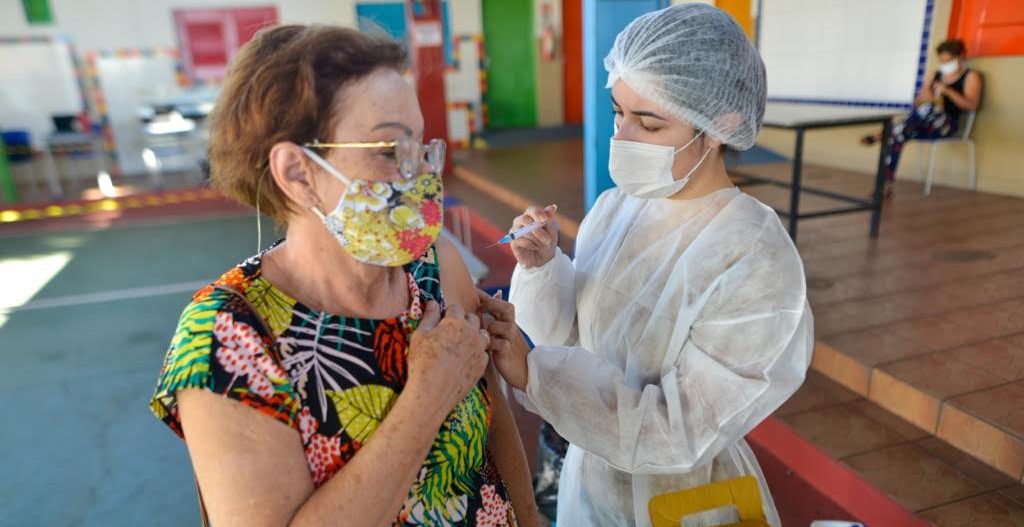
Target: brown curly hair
x: 953, y: 46
x: 283, y: 86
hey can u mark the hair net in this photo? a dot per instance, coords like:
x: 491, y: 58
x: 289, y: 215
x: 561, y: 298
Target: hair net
x: 696, y: 62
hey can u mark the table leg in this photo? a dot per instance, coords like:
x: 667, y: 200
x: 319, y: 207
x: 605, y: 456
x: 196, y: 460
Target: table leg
x: 876, y: 214
x: 53, y: 180
x: 794, y: 200
x: 99, y: 155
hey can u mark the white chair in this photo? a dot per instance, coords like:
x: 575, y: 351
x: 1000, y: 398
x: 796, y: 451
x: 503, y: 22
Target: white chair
x: 963, y: 137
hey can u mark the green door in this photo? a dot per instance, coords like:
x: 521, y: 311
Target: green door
x: 511, y: 72
x: 8, y: 190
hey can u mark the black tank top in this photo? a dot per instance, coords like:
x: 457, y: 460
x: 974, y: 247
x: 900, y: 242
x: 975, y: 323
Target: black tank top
x: 949, y: 107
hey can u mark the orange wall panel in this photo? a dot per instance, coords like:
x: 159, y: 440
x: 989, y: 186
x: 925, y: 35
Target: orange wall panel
x: 572, y: 37
x: 740, y: 10
x: 989, y: 27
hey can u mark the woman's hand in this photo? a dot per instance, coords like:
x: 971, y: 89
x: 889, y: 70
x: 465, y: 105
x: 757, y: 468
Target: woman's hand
x: 508, y: 347
x: 538, y: 247
x: 447, y: 357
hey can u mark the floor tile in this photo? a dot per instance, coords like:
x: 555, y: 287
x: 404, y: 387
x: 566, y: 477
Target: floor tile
x: 1002, y: 406
x: 925, y: 302
x: 971, y: 466
x: 1003, y: 358
x: 1016, y: 340
x: 876, y: 346
x: 994, y: 321
x: 937, y: 333
x: 841, y: 431
x: 989, y: 510
x: 817, y: 392
x: 903, y: 399
x: 981, y: 439
x: 942, y: 375
x: 889, y: 420
x: 841, y: 368
x: 1015, y: 493
x: 914, y: 477
x: 840, y: 319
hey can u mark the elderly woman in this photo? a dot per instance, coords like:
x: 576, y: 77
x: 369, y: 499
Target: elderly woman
x: 341, y: 376
x: 683, y: 321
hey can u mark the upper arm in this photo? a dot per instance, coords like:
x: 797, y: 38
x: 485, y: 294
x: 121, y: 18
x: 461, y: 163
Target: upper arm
x: 499, y: 403
x: 456, y: 283
x: 972, y: 89
x: 759, y: 304
x: 251, y: 468
x: 223, y: 390
x: 926, y: 87
x: 220, y: 345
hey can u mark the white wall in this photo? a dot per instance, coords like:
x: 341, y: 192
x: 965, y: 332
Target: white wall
x: 109, y: 24
x: 131, y: 24
x: 36, y: 81
x: 852, y: 50
x: 998, y: 132
x: 463, y: 84
x: 467, y: 17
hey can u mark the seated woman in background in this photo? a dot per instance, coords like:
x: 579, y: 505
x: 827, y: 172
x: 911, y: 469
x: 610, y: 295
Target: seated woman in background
x: 954, y: 89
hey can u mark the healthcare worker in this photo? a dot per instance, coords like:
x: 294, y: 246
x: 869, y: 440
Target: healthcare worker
x: 683, y: 321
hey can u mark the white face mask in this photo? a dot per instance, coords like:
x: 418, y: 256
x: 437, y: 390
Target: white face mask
x: 947, y: 68
x: 644, y: 170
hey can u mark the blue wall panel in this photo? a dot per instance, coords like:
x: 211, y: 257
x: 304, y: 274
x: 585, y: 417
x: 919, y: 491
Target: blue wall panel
x: 602, y: 21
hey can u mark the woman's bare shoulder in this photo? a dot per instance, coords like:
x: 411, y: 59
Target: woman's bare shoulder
x: 456, y: 283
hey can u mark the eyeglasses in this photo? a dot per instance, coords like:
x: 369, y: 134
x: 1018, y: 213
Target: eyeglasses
x: 410, y: 155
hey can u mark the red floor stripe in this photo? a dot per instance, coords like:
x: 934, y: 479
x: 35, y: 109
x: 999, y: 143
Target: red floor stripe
x: 830, y: 477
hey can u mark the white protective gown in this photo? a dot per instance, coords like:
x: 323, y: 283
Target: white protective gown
x: 678, y: 328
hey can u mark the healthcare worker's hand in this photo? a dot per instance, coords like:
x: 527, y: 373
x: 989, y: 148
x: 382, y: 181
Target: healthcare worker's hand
x: 508, y: 347
x: 447, y: 356
x: 538, y: 247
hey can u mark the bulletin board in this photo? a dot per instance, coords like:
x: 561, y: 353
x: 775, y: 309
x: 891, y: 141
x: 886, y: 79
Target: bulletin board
x: 857, y: 52
x: 465, y: 73
x: 123, y: 81
x: 466, y: 90
x: 39, y: 78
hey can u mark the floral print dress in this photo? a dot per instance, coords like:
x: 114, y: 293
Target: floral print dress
x: 333, y: 380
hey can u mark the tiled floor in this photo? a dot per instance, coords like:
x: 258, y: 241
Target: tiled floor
x: 843, y: 431
x: 914, y: 477
x: 927, y: 321
x: 922, y: 473
x: 993, y: 508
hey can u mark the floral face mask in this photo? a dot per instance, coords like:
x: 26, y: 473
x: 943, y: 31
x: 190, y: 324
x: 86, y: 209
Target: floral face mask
x: 388, y: 223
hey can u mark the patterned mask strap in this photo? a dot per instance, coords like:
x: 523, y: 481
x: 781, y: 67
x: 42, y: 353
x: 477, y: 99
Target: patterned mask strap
x: 259, y: 225
x: 330, y: 170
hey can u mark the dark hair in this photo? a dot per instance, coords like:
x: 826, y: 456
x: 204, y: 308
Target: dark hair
x: 953, y: 46
x: 283, y: 86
